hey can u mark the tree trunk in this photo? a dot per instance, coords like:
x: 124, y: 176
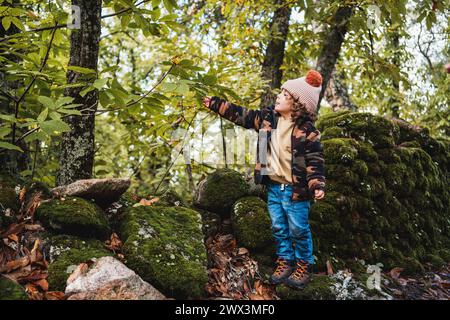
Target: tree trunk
x: 337, y: 93
x: 77, y: 146
x: 271, y: 72
x: 332, y: 46
x: 394, y: 43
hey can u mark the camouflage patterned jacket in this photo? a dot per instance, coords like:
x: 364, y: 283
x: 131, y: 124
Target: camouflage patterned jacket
x: 307, y: 164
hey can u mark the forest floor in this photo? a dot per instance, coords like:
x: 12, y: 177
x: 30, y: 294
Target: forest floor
x: 232, y: 272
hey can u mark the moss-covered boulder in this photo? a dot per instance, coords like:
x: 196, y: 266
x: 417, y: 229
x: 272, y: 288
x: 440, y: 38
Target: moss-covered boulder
x: 9, y: 192
x: 211, y: 223
x: 37, y: 188
x: 10, y: 290
x: 74, y: 216
x: 319, y: 288
x: 169, y: 197
x: 164, y: 245
x: 65, y: 253
x: 251, y: 224
x: 387, y: 197
x: 219, y: 191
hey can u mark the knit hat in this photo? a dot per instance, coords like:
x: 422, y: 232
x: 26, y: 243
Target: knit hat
x: 306, y: 89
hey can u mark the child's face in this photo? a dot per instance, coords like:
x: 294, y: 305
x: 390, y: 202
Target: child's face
x: 284, y: 102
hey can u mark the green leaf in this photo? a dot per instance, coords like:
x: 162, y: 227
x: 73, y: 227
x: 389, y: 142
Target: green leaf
x: 9, y: 146
x: 71, y: 111
x: 100, y: 83
x: 81, y: 69
x: 18, y: 23
x: 182, y: 88
x: 6, y: 22
x: 54, y: 126
x: 169, y: 17
x: 43, y: 115
x: 64, y: 100
x: 86, y: 90
x: 4, y: 131
x: 7, y: 117
x: 125, y: 20
x: 36, y: 135
x: 47, y: 102
x: 109, y: 69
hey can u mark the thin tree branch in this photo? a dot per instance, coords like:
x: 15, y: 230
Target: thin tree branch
x: 17, y: 105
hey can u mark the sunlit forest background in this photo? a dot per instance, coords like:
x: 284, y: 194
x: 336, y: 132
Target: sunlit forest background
x: 158, y: 59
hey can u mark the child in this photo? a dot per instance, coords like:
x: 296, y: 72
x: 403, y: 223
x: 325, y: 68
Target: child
x: 292, y: 168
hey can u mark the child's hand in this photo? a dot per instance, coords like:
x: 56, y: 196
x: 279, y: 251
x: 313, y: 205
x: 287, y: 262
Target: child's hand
x: 206, y: 101
x: 319, y: 194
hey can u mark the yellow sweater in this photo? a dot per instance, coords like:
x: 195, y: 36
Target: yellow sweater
x: 279, y: 154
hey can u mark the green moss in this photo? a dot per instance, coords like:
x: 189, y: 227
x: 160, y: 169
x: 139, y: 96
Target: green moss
x: 333, y: 132
x: 376, y: 130
x: 319, y: 288
x: 169, y: 198
x: 220, y: 190
x: 340, y: 150
x: 434, y: 260
x: 444, y: 254
x: 10, y: 290
x: 65, y: 253
x: 266, y: 263
x: 74, y: 216
x: 35, y: 187
x: 387, y: 198
x: 164, y: 245
x: 8, y: 196
x: 251, y: 223
x: 211, y: 223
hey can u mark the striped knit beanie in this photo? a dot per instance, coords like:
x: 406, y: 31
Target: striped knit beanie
x: 306, y: 89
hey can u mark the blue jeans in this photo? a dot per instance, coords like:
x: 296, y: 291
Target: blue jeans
x: 290, y: 224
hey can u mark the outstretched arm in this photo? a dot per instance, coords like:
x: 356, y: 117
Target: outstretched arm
x: 247, y: 118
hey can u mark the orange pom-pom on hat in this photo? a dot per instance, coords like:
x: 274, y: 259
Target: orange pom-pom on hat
x: 306, y: 89
x: 314, y: 78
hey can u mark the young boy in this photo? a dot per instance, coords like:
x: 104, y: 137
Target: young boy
x: 292, y: 168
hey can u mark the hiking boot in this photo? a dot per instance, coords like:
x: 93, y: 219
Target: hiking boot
x: 300, y: 277
x: 283, y: 269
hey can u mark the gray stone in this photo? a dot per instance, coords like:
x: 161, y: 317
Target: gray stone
x: 109, y: 279
x: 103, y: 191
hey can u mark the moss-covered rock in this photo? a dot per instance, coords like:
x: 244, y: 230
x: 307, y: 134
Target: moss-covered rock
x: 9, y: 196
x: 363, y: 126
x: 35, y: 187
x: 219, y: 191
x: 387, y: 198
x: 319, y: 288
x: 10, y: 290
x: 251, y: 223
x: 164, y: 245
x: 65, y: 253
x: 169, y: 197
x: 211, y: 223
x: 74, y: 216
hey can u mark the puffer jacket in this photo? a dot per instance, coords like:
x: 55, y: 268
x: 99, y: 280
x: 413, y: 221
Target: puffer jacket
x: 307, y: 164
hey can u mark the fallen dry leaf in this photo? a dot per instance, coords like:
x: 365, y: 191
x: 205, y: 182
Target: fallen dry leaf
x: 114, y: 243
x: 80, y: 270
x: 43, y: 284
x: 395, y: 272
x: 13, y: 237
x: 13, y: 228
x: 33, y: 227
x: 145, y: 202
x: 329, y: 268
x: 54, y: 295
